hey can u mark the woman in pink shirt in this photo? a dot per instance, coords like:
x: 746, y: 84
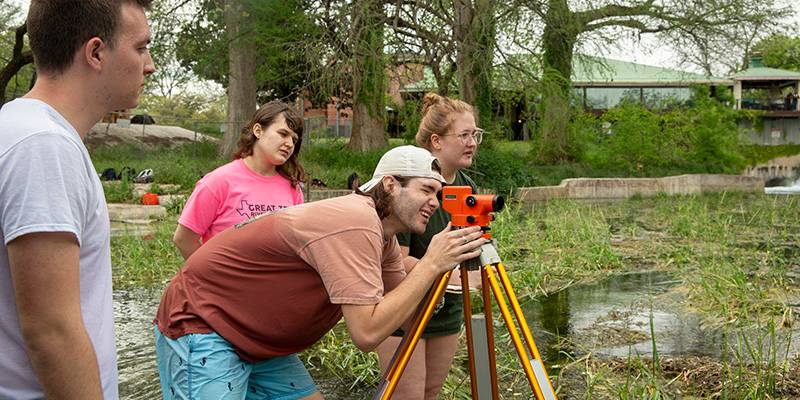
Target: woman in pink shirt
x: 264, y: 176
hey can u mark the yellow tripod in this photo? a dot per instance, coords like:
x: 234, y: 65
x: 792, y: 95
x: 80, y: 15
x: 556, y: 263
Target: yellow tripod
x: 493, y: 277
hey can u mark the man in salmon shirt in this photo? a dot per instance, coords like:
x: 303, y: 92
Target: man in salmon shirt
x: 235, y: 316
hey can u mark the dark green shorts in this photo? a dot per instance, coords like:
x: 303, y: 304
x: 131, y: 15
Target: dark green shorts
x: 446, y: 320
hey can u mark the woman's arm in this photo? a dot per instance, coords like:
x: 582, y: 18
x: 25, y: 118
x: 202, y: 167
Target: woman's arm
x: 186, y: 241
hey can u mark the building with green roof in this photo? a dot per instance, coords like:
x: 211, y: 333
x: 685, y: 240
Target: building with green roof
x: 602, y: 83
x: 774, y: 92
x: 599, y: 84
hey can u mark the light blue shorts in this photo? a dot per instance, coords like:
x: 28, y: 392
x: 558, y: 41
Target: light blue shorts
x: 205, y: 367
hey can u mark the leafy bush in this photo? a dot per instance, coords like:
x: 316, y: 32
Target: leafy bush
x: 633, y: 141
x: 712, y: 132
x: 501, y: 170
x: 637, y: 141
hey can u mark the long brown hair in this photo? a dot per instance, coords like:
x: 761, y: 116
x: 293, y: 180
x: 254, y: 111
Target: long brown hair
x: 265, y: 116
x: 438, y: 112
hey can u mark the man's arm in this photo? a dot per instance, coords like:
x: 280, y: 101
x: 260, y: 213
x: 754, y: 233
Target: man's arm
x: 45, y: 272
x: 369, y: 325
x: 186, y: 241
x: 390, y: 281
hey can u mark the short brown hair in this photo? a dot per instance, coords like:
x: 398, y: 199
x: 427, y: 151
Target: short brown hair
x: 265, y: 116
x: 58, y: 28
x: 438, y: 112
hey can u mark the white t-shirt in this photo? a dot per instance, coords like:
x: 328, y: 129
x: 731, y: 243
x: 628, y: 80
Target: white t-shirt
x: 48, y: 184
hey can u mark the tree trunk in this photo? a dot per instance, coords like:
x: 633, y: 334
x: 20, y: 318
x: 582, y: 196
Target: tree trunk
x: 475, y: 35
x: 443, y: 78
x: 18, y: 60
x: 369, y: 83
x: 241, y: 80
x: 558, y: 40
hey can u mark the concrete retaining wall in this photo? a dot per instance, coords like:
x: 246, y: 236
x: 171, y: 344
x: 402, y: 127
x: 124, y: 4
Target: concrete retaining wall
x: 623, y: 188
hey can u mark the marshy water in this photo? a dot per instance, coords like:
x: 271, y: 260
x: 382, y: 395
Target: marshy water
x: 612, y: 318
x: 618, y: 317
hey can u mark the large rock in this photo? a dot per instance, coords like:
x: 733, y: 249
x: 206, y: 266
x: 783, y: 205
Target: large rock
x: 107, y: 134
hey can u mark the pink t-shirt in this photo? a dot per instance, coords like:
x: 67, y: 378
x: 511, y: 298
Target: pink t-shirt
x: 234, y: 193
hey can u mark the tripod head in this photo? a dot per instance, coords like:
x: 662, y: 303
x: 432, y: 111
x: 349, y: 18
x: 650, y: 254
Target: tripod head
x: 467, y: 209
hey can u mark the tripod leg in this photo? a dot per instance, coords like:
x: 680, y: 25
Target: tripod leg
x: 512, y: 298
x: 540, y: 384
x: 410, y: 340
x: 468, y: 327
x: 487, y: 312
x: 534, y: 352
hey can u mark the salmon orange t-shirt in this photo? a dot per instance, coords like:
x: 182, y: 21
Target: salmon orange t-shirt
x: 274, y: 285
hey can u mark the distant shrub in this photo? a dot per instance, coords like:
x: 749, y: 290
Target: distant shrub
x: 501, y: 171
x: 636, y: 141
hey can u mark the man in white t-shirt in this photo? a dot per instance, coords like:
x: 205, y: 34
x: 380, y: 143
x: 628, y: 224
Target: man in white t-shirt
x: 56, y: 314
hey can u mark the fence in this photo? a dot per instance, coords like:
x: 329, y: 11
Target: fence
x: 155, y: 128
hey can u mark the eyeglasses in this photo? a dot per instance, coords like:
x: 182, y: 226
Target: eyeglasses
x: 476, y: 135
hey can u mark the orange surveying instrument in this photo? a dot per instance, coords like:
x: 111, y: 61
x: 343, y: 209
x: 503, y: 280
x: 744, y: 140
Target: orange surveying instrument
x: 467, y: 209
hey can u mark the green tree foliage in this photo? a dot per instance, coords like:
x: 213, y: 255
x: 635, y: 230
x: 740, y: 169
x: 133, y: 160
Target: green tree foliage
x: 169, y: 76
x: 285, y: 37
x: 475, y: 30
x: 16, y: 61
x: 565, y: 24
x: 190, y: 111
x: 410, y: 115
x: 780, y: 51
x: 634, y: 140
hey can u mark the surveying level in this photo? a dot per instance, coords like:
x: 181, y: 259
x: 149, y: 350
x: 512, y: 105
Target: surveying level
x: 467, y: 209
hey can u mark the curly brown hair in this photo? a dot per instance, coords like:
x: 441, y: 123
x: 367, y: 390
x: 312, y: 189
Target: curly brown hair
x: 265, y: 116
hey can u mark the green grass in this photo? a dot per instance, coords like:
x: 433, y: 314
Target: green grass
x: 182, y: 165
x: 148, y: 261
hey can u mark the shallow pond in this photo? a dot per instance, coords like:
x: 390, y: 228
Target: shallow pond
x: 617, y: 317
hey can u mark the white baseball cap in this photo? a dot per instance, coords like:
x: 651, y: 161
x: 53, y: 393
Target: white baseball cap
x: 408, y: 161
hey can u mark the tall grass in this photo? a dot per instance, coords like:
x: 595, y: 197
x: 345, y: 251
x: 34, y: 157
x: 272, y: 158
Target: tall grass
x: 148, y: 261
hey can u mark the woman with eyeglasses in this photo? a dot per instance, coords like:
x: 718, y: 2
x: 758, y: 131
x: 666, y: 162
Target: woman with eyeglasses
x: 264, y: 176
x: 448, y: 131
